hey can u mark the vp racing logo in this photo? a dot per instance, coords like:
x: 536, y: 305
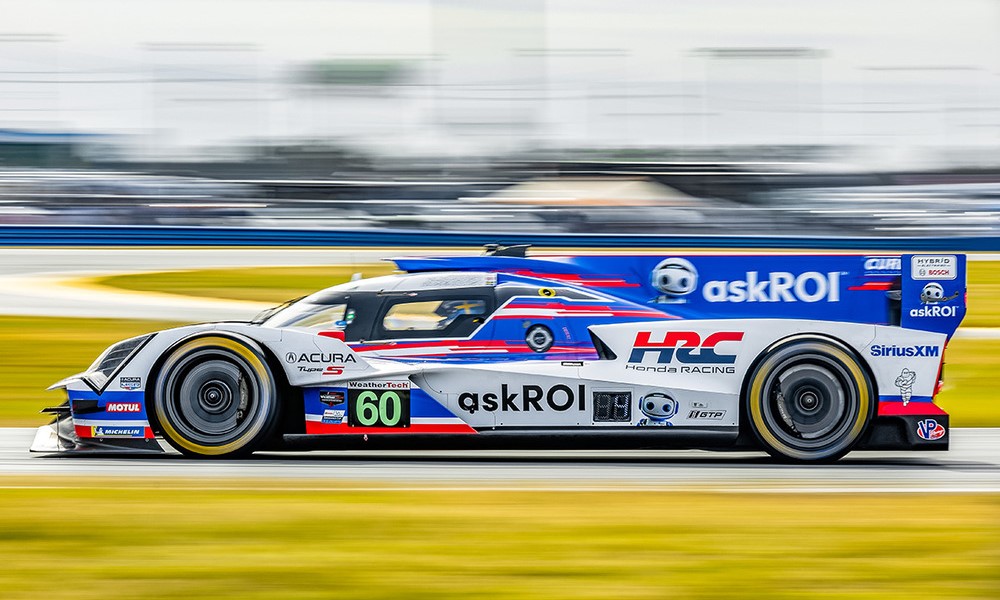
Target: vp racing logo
x: 686, y: 348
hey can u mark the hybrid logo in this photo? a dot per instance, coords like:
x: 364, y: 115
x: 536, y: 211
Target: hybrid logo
x: 930, y: 430
x: 779, y: 286
x: 883, y: 350
x: 689, y: 342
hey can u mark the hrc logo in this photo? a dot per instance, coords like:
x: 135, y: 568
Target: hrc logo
x: 685, y: 347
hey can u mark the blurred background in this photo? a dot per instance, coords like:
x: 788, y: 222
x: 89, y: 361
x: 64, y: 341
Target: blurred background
x: 822, y: 117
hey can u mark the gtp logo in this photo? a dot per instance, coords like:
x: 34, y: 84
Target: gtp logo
x: 692, y: 349
x: 929, y: 429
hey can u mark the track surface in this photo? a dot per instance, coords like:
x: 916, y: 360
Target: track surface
x: 972, y: 465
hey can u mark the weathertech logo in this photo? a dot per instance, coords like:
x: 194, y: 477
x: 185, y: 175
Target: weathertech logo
x: 684, y: 347
x: 123, y: 407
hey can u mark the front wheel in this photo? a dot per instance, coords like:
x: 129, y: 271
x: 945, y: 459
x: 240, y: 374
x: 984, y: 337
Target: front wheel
x: 215, y: 396
x: 809, y: 399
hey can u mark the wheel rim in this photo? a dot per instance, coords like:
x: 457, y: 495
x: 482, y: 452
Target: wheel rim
x: 212, y: 397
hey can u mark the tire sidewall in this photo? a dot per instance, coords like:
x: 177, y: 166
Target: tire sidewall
x: 265, y: 419
x: 777, y: 356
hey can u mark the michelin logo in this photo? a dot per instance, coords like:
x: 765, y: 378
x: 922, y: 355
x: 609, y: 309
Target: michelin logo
x: 779, y: 286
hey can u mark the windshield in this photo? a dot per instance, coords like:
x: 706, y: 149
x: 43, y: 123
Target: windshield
x: 311, y: 316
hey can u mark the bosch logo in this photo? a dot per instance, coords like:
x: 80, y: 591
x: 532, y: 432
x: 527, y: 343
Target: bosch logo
x: 684, y: 347
x: 930, y: 430
x: 674, y: 278
x: 779, y: 286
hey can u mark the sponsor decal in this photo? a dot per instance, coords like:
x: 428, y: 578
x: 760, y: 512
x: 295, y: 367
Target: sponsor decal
x: 528, y: 398
x: 674, y: 278
x: 934, y: 267
x: 104, y: 431
x: 779, y: 286
x: 711, y: 415
x: 130, y: 383
x: 379, y: 407
x: 884, y: 350
x: 379, y: 385
x: 333, y: 416
x: 929, y: 429
x: 883, y: 265
x: 318, y: 357
x: 905, y: 384
x: 328, y: 370
x: 658, y: 408
x: 123, y: 407
x: 933, y: 298
x: 684, y: 347
x: 331, y: 397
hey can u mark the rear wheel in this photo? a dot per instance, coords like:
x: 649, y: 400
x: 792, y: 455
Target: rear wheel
x: 809, y: 399
x: 216, y: 396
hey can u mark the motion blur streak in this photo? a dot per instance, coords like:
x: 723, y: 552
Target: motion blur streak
x: 823, y: 118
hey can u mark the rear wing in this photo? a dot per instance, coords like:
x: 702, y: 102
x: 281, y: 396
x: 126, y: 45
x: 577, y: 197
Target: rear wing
x: 917, y: 291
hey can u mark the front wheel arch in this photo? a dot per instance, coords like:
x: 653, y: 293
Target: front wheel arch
x: 275, y: 379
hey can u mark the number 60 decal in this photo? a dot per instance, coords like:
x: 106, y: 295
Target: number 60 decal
x: 378, y: 408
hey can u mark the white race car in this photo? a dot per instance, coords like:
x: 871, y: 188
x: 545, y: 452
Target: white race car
x: 807, y: 357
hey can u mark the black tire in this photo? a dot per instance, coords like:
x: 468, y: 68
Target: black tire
x: 215, y: 396
x: 809, y: 399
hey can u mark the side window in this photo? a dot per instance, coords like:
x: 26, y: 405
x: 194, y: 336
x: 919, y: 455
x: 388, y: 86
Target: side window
x: 440, y: 317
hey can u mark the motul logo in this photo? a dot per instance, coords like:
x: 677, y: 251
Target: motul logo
x: 685, y: 347
x: 123, y: 407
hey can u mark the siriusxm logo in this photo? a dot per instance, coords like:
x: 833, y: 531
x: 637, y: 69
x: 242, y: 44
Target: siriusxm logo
x: 684, y: 347
x: 903, y: 351
x: 779, y: 286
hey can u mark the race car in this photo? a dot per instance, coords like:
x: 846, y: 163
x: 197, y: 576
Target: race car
x: 806, y: 356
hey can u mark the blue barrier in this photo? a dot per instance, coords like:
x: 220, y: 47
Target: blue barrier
x: 107, y: 235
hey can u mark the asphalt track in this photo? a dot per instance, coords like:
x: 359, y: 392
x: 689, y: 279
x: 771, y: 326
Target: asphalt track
x: 971, y: 466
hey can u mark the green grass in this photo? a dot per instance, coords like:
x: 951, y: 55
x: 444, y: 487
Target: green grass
x: 984, y: 294
x: 257, y: 543
x: 263, y: 284
x: 972, y: 381
x: 35, y: 352
x: 38, y: 351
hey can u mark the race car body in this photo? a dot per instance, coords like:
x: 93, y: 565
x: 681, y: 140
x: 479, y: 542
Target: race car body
x: 807, y: 357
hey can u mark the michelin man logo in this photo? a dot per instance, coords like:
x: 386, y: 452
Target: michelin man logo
x: 674, y: 278
x: 658, y: 408
x: 905, y: 384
